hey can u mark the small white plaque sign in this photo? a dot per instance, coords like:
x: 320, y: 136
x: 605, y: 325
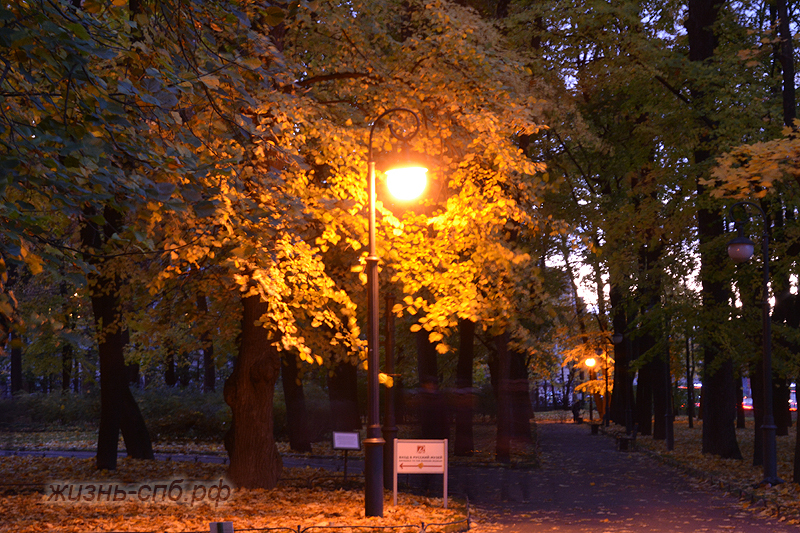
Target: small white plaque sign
x: 346, y: 440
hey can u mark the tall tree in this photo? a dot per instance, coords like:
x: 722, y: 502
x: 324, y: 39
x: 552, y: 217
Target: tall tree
x: 719, y: 409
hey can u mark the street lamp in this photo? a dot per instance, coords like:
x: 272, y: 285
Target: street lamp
x: 590, y: 363
x: 740, y: 249
x: 373, y: 444
x: 600, y: 351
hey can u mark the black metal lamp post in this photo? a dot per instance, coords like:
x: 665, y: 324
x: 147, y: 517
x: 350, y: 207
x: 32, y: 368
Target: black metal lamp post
x: 741, y: 249
x: 373, y: 444
x: 590, y: 363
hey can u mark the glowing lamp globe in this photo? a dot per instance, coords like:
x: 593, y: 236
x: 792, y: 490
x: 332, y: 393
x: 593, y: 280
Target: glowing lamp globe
x: 407, y: 183
x: 741, y: 249
x: 591, y: 362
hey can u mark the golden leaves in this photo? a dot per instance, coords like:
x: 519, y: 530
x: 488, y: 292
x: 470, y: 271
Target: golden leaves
x: 753, y: 170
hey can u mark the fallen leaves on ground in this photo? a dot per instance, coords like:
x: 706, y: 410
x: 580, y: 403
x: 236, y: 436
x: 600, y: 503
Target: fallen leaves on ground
x: 286, y: 506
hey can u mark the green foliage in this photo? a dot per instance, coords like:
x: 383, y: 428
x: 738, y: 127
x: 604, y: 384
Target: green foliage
x: 173, y: 414
x: 47, y: 411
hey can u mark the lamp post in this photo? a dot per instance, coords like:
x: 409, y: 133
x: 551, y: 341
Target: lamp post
x: 600, y: 351
x: 590, y: 363
x: 741, y: 249
x: 373, y: 444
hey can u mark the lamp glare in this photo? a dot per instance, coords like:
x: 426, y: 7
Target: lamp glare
x: 407, y: 183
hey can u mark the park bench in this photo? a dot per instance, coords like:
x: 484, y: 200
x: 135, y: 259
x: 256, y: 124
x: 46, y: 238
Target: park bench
x: 627, y: 442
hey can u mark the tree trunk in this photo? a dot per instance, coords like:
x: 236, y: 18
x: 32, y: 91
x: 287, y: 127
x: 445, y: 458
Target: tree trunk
x: 644, y: 400
x: 659, y: 380
x: 343, y: 397
x: 209, y: 368
x: 719, y: 409
x: 16, y: 362
x: 13, y: 338
x: 296, y: 414
x: 503, y: 395
x: 184, y: 370
x: 118, y: 409
x: 250, y: 442
x: 431, y: 408
x: 170, y: 375
x: 520, y: 397
x: 622, y: 391
x: 465, y: 397
x: 66, y: 367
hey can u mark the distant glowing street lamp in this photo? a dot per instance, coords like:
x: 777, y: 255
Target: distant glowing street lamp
x: 591, y: 362
x: 741, y: 249
x: 606, y: 422
x: 398, y: 180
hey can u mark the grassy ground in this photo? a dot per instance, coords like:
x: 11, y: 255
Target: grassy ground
x: 74, y: 439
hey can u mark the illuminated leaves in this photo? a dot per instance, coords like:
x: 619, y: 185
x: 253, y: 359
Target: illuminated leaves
x: 290, y: 503
x: 754, y: 170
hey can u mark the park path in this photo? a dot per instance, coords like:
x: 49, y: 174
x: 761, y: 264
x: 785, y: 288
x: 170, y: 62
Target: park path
x: 587, y: 485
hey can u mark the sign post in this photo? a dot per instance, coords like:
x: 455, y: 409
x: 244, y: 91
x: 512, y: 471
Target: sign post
x: 346, y: 440
x: 420, y: 457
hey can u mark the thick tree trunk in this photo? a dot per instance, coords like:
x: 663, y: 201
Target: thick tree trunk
x: 465, y: 397
x: 719, y: 395
x: 644, y: 400
x: 343, y: 396
x: 622, y: 391
x: 520, y: 397
x: 296, y: 414
x: 118, y: 409
x: 250, y: 442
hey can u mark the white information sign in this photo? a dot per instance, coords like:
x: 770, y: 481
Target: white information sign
x: 420, y: 457
x: 346, y: 440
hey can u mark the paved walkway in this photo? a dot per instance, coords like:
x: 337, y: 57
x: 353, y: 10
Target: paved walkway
x: 586, y: 485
